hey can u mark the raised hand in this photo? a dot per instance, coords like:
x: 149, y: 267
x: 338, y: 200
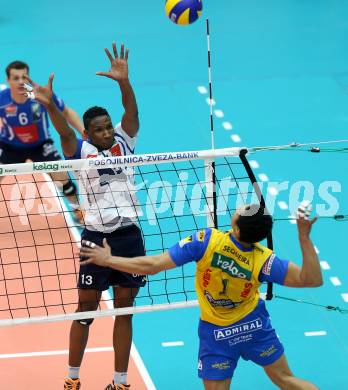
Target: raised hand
x: 119, y: 65
x: 43, y: 94
x: 304, y: 224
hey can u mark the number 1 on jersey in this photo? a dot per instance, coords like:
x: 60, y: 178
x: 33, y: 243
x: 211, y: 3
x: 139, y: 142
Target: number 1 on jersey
x: 224, y: 286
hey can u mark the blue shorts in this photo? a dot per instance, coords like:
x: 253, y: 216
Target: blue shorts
x: 251, y: 338
x: 124, y: 242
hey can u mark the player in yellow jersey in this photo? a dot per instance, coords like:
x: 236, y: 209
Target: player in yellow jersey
x: 231, y: 266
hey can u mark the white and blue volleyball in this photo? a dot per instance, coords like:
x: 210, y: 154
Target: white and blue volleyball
x: 183, y: 12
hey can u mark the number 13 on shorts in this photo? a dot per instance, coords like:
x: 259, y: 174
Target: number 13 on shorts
x: 86, y: 279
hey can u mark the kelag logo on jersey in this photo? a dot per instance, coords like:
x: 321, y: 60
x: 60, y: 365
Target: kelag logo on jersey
x: 230, y: 267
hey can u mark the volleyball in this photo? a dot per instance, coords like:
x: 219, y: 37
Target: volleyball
x: 183, y: 12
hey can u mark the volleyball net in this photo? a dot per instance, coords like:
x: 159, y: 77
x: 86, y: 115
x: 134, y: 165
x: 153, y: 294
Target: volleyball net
x: 171, y: 196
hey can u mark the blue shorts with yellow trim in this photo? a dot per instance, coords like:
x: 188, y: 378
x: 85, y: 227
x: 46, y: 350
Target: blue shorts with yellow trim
x: 251, y: 338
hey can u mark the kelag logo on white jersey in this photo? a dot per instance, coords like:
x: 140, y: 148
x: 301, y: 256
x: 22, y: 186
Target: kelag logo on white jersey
x: 231, y: 267
x: 227, y: 333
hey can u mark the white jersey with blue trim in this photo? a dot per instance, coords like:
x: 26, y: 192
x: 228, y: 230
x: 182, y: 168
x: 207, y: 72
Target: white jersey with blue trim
x: 110, y: 200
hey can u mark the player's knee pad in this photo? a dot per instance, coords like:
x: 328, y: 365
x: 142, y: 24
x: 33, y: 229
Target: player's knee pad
x: 69, y: 188
x: 86, y: 321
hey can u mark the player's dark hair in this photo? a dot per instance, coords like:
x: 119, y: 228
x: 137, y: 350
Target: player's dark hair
x: 16, y: 65
x: 91, y: 113
x: 254, y: 223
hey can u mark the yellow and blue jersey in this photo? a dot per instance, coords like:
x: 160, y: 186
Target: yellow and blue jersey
x: 228, y: 276
x: 24, y: 125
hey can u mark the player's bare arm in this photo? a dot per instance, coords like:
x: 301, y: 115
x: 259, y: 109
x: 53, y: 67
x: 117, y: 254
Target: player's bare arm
x: 309, y: 275
x: 73, y: 119
x: 44, y: 95
x: 119, y: 72
x: 144, y: 265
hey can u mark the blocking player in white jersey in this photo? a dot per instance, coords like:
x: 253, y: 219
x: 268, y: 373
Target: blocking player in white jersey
x: 111, y: 214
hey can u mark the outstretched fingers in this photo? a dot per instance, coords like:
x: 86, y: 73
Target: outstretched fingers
x: 123, y: 53
x: 28, y: 88
x: 85, y: 262
x: 50, y: 80
x: 109, y: 55
x: 304, y: 210
x: 89, y: 244
x: 106, y: 74
x: 86, y: 253
x: 314, y: 220
x: 27, y: 78
x: 114, y: 48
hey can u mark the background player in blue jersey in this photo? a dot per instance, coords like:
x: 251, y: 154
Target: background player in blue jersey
x: 24, y: 129
x: 111, y: 215
x: 230, y: 268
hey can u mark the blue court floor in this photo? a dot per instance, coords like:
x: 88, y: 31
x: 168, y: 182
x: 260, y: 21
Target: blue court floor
x: 280, y: 73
